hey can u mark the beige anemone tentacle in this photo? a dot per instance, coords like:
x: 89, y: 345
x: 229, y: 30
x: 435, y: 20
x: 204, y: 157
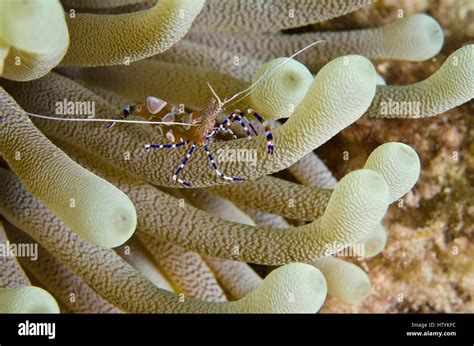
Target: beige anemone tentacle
x: 175, y: 83
x: 286, y: 86
x: 59, y: 280
x: 340, y: 93
x: 218, y: 206
x: 33, y: 38
x: 123, y: 286
x: 194, y: 54
x: 11, y: 274
x: 396, y: 162
x: 219, y: 238
x: 16, y: 293
x: 414, y: 38
x: 89, y: 205
x: 238, y: 278
x: 135, y: 254
x: 310, y: 170
x: 346, y: 281
x: 28, y: 300
x: 124, y: 38
x: 99, y: 3
x: 269, y: 15
x: 266, y: 219
x: 449, y: 87
x: 107, y: 6
x: 186, y: 270
x: 373, y: 243
x: 277, y: 196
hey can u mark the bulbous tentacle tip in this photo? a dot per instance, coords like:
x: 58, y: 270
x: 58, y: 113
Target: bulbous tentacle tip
x: 375, y: 241
x: 430, y: 38
x: 294, y: 288
x: 358, y: 75
x: 285, y: 82
x: 362, y: 66
x: 124, y: 222
x: 373, y: 182
x: 399, y: 164
x: 33, y: 40
x: 111, y: 222
x: 27, y: 299
x: 361, y: 198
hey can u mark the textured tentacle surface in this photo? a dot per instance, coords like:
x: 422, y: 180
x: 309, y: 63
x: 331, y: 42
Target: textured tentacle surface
x: 278, y: 196
x: 346, y: 281
x: 266, y: 219
x: 120, y: 284
x: 124, y: 38
x: 90, y: 206
x: 63, y: 283
x: 449, y: 87
x: 396, y: 162
x: 270, y: 15
x: 33, y: 38
x: 339, y: 95
x: 136, y: 254
x: 310, y: 170
x: 11, y: 274
x: 228, y: 240
x: 216, y: 205
x: 242, y: 66
x: 187, y: 270
x: 27, y: 299
x: 175, y: 83
x: 237, y: 277
x: 414, y: 38
x: 107, y: 6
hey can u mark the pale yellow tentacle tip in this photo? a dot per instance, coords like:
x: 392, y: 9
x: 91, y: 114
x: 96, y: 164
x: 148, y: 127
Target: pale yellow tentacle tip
x: 27, y: 299
x: 293, y: 288
x: 399, y: 164
x: 374, y: 242
x: 429, y: 36
x: 346, y: 281
x: 33, y: 38
x: 287, y: 82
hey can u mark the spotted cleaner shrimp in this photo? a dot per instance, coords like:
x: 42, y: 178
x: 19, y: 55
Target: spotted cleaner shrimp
x: 196, y: 127
x: 204, y: 121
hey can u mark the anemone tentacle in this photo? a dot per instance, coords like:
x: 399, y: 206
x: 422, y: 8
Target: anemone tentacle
x: 64, y: 186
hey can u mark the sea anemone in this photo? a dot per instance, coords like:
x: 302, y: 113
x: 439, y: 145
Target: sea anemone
x: 117, y: 232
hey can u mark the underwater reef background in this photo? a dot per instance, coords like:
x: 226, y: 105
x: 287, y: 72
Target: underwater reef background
x: 438, y: 214
x: 118, y: 232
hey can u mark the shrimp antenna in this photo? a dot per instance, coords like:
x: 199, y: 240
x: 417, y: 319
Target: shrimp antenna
x: 252, y: 87
x: 110, y: 120
x: 215, y: 95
